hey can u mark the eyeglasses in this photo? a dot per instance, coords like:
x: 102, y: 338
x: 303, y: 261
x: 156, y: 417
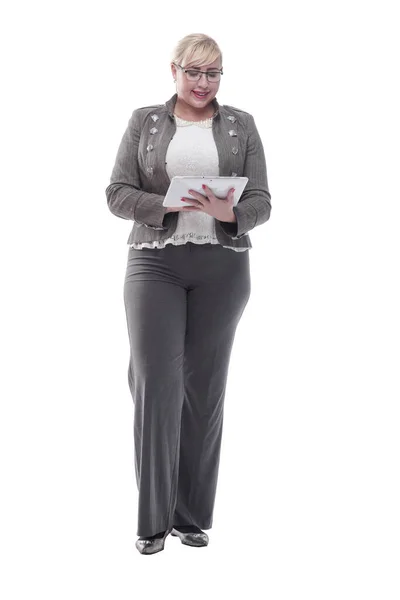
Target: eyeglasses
x: 195, y: 74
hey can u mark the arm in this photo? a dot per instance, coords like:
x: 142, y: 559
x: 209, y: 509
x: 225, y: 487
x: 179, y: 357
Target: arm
x: 254, y: 206
x: 125, y: 199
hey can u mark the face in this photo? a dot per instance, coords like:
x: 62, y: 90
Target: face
x: 186, y: 89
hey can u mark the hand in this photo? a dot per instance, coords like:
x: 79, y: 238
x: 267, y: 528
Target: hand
x: 180, y: 208
x: 219, y: 208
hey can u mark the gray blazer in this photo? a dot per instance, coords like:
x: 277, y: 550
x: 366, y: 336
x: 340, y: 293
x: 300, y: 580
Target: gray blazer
x: 139, y: 180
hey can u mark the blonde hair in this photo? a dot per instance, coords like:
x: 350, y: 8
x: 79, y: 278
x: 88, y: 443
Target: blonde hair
x: 196, y: 50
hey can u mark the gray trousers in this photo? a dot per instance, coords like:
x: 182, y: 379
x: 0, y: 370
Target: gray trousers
x: 183, y: 304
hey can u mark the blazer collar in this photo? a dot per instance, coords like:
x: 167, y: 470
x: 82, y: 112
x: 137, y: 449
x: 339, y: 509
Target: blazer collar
x: 170, y: 104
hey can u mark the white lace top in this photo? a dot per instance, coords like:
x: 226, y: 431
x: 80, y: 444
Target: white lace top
x: 192, y: 151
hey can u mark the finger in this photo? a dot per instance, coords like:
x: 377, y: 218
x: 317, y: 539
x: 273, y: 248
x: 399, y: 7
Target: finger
x: 209, y: 193
x: 194, y: 193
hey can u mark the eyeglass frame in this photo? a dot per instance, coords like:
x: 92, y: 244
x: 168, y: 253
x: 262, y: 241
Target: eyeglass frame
x: 220, y: 71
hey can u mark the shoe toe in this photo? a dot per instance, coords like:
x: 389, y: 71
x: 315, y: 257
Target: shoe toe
x: 196, y: 539
x: 148, y: 546
x: 191, y: 539
x: 151, y: 546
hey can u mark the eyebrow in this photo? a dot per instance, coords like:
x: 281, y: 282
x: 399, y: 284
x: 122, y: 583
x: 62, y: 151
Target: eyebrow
x: 198, y: 69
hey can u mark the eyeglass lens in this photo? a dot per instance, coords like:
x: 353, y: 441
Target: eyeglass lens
x: 194, y: 75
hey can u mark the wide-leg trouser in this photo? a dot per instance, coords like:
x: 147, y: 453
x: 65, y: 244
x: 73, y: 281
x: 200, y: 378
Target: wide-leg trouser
x: 183, y: 304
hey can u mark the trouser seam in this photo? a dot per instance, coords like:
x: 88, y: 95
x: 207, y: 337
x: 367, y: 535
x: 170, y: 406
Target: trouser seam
x: 169, y: 516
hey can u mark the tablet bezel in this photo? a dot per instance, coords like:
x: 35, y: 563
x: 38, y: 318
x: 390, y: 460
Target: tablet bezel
x: 180, y: 185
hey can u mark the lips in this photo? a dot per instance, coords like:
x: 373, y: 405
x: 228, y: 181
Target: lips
x: 199, y: 95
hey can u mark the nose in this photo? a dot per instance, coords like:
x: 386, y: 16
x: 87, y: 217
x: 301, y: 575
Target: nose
x: 205, y: 79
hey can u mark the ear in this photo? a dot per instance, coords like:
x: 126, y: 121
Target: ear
x: 173, y: 70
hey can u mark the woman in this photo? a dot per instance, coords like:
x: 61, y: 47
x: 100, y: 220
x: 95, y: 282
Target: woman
x: 187, y: 284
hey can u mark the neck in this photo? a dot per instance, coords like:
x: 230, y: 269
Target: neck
x: 183, y: 111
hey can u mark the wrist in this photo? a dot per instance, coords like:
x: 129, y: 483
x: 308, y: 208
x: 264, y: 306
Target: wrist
x: 231, y: 219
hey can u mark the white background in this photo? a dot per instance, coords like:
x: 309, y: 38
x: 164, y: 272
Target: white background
x: 308, y: 493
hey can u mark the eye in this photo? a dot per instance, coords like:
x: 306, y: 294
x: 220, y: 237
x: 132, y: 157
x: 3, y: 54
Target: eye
x: 213, y: 75
x: 192, y: 73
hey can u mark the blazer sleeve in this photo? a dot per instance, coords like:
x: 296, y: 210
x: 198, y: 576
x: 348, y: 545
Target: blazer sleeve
x: 125, y: 199
x: 254, y: 206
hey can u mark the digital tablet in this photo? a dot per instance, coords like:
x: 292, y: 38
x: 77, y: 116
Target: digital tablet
x: 220, y: 186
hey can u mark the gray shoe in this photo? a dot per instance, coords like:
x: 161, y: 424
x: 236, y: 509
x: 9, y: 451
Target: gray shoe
x: 191, y: 539
x: 151, y: 545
